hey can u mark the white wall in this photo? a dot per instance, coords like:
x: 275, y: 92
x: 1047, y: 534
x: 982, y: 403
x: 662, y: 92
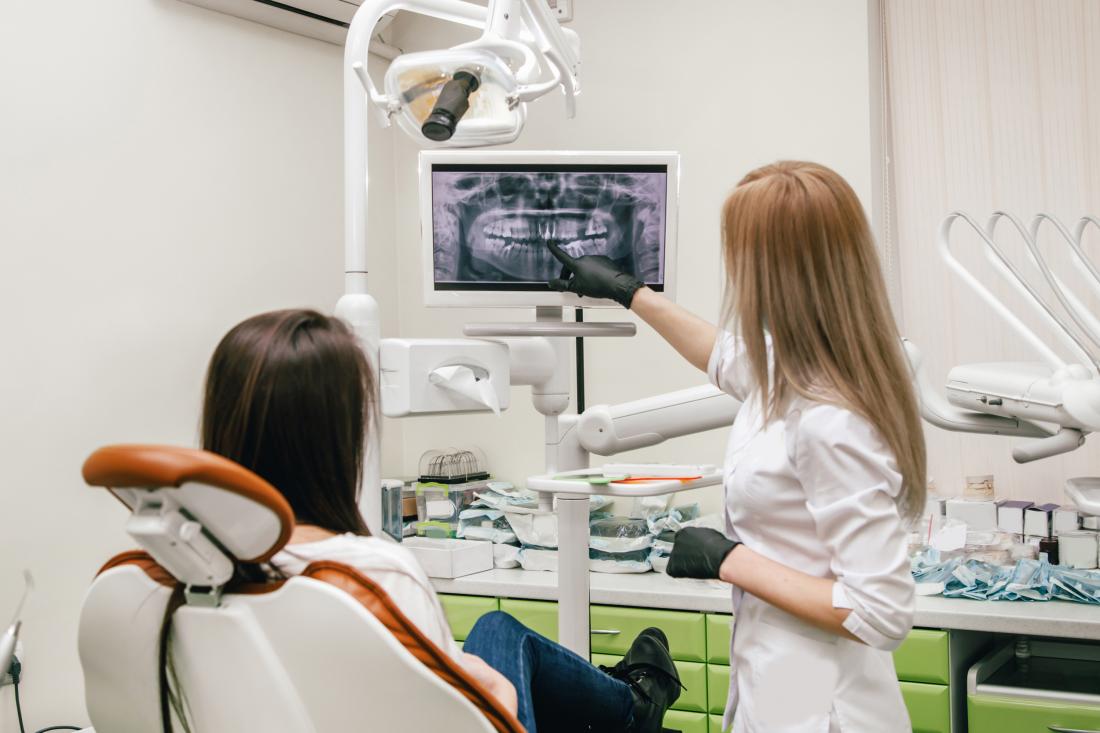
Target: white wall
x: 165, y: 171
x: 993, y: 107
x: 730, y: 85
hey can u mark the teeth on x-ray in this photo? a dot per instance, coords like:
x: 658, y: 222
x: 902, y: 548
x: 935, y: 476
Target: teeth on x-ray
x: 495, y: 226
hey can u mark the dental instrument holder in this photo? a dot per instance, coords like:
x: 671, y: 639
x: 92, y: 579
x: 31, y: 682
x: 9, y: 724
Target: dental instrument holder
x: 548, y: 374
x: 1017, y: 399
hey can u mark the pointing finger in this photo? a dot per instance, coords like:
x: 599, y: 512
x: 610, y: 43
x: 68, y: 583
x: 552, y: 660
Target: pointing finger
x: 561, y: 255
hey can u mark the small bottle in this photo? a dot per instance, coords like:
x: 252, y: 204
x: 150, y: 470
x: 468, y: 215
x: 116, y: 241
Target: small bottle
x: 1023, y: 655
x: 1049, y: 547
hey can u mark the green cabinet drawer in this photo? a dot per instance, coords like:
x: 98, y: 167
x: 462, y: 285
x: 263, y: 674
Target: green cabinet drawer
x: 719, y: 632
x: 718, y: 687
x: 987, y: 714
x: 539, y: 616
x: 614, y: 628
x: 923, y: 657
x: 464, y: 611
x: 686, y: 722
x: 693, y: 676
x: 716, y: 724
x: 929, y: 707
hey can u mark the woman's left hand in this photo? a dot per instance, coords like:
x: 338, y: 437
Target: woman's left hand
x: 698, y: 552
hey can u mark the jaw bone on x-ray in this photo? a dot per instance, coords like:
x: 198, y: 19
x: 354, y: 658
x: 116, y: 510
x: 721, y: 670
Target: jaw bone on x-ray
x: 493, y: 227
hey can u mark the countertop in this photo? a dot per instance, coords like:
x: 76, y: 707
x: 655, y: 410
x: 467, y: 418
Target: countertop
x: 657, y: 590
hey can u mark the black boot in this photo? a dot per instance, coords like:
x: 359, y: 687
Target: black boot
x: 648, y: 669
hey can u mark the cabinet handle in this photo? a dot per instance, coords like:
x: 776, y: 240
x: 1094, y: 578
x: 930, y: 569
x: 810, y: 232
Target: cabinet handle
x: 1060, y: 729
x: 606, y: 632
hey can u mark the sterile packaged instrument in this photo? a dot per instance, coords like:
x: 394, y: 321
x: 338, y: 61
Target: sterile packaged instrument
x: 485, y: 524
x: 620, y: 535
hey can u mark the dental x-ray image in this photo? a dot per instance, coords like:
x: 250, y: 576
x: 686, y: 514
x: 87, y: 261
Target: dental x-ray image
x: 492, y: 224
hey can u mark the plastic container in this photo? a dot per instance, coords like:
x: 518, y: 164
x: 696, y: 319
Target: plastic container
x: 442, y: 503
x: 449, y: 558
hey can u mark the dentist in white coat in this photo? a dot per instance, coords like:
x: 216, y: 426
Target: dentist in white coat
x: 825, y: 461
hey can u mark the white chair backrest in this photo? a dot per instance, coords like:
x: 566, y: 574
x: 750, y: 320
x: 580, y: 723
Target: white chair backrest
x: 300, y: 657
x: 306, y: 657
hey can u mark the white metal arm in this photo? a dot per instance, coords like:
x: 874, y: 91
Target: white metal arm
x: 610, y: 429
x: 1078, y: 311
x: 1006, y: 269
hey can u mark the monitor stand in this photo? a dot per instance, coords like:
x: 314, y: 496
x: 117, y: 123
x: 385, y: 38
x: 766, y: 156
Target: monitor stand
x: 563, y: 453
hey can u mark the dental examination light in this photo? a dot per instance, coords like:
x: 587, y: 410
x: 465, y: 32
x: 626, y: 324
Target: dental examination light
x: 474, y: 94
x: 1056, y: 401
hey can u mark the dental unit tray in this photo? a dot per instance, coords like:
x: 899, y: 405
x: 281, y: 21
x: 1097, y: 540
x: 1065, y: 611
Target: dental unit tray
x: 595, y: 482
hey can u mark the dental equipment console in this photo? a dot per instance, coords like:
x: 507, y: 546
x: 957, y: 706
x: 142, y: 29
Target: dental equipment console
x: 1055, y: 401
x: 480, y: 250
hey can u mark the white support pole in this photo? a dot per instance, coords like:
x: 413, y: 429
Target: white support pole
x: 357, y: 306
x: 574, y: 587
x: 564, y: 453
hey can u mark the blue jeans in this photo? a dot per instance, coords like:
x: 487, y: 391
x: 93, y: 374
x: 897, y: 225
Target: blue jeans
x: 558, y: 691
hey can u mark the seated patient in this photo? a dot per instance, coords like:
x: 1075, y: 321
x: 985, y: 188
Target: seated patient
x: 289, y: 395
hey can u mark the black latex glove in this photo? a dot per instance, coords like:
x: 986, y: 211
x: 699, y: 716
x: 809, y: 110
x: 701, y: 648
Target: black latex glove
x: 698, y: 552
x: 594, y: 276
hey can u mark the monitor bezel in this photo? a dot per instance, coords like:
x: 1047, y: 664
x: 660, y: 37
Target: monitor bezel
x: 528, y: 299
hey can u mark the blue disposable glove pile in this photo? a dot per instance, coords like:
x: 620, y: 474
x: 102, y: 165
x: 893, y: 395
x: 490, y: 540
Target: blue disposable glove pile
x: 1029, y: 580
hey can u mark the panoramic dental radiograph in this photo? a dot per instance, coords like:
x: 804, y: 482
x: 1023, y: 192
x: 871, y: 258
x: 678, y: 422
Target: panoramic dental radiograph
x: 494, y: 226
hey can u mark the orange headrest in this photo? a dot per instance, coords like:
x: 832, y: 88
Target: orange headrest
x: 258, y: 527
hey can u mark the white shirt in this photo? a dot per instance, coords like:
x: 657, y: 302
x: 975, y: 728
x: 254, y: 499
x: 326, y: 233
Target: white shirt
x: 391, y: 566
x: 815, y: 490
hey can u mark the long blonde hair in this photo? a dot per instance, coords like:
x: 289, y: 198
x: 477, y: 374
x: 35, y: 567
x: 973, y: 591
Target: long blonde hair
x: 801, y: 264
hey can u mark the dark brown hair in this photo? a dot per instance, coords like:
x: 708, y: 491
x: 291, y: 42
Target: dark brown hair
x: 290, y: 396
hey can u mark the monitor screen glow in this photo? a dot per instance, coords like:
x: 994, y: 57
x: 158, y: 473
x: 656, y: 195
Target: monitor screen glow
x: 491, y: 221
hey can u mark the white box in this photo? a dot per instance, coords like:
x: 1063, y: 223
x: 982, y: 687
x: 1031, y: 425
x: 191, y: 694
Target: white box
x: 1078, y: 549
x: 447, y: 558
x: 976, y: 514
x: 1037, y: 520
x: 1010, y: 515
x: 1065, y: 520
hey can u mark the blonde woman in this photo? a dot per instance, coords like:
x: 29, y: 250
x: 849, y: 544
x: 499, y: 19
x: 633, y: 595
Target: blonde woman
x: 825, y: 461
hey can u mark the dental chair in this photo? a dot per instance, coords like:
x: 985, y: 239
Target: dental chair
x: 323, y: 651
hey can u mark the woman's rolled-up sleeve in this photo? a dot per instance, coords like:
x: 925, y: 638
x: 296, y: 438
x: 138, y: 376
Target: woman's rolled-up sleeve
x: 852, y: 481
x: 729, y: 369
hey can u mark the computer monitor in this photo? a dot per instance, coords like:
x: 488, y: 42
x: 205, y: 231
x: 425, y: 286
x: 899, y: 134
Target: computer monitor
x: 487, y: 219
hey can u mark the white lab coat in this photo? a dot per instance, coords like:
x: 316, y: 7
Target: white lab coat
x: 815, y: 490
